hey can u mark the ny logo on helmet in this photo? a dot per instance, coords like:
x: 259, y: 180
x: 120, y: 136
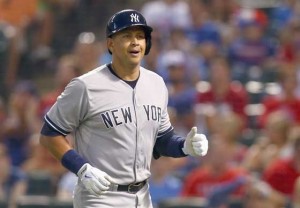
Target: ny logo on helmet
x: 134, y: 17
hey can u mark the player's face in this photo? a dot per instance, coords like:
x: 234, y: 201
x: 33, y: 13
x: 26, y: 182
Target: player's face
x: 128, y: 45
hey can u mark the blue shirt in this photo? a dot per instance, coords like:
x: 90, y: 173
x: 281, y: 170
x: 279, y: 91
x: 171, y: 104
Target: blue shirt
x: 169, y: 187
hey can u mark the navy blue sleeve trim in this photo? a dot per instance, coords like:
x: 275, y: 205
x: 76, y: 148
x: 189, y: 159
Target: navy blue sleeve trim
x: 55, y: 127
x: 169, y: 145
x: 48, y: 130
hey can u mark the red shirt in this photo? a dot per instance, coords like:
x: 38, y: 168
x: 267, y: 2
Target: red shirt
x: 274, y: 103
x: 47, y: 101
x: 236, y: 98
x: 282, y: 175
x: 201, y: 182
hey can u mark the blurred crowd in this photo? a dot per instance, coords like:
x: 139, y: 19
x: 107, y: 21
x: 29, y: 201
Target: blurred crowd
x: 232, y: 71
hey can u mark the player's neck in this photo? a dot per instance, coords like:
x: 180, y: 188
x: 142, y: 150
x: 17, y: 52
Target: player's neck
x: 126, y: 73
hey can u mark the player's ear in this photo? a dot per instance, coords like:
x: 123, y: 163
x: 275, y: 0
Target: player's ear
x: 109, y: 44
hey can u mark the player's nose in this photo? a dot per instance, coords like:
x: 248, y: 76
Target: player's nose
x: 134, y: 41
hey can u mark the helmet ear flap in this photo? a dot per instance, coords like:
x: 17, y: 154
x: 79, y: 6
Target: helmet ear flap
x: 108, y: 48
x: 148, y: 44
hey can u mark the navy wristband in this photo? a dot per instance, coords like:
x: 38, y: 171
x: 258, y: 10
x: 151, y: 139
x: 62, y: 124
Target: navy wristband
x: 73, y: 161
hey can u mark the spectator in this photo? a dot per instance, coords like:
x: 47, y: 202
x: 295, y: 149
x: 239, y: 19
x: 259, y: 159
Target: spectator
x: 178, y: 59
x: 151, y: 61
x: 201, y: 30
x: 87, y: 51
x: 221, y: 13
x: 163, y: 15
x: 22, y: 121
x: 283, y: 15
x: 18, y: 13
x: 272, y: 145
x: 289, y: 47
x: 178, y: 48
x: 6, y: 38
x: 259, y: 194
x: 204, y: 36
x: 181, y: 91
x: 40, y: 161
x: 215, y: 174
x: 178, y: 40
x: 251, y: 48
x: 30, y: 37
x: 296, y: 195
x: 223, y: 95
x: 286, y: 169
x: 36, y: 33
x: 164, y: 183
x: 13, y: 182
x: 65, y: 31
x: 286, y: 101
x: 66, y: 70
x: 2, y: 116
x: 229, y: 128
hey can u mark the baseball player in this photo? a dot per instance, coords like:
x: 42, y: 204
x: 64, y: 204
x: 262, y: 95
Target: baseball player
x: 118, y: 116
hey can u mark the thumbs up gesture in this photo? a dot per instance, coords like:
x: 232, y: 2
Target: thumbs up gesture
x: 195, y: 144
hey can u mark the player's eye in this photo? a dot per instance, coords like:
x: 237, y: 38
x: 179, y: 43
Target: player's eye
x: 126, y: 35
x: 140, y: 36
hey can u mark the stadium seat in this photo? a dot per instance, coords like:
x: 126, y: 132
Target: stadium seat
x: 272, y: 88
x: 255, y: 91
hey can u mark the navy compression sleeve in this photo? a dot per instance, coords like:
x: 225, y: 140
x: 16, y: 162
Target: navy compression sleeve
x: 169, y: 145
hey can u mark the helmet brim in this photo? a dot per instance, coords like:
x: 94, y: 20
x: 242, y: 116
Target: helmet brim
x: 147, y: 29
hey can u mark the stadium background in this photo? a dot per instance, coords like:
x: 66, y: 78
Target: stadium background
x: 232, y: 69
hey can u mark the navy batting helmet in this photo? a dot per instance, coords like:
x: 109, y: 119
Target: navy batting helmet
x: 125, y: 19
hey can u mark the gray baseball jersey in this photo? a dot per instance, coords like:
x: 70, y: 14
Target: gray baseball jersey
x: 114, y: 126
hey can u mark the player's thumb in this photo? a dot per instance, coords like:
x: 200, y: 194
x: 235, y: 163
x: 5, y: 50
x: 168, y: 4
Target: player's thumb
x: 192, y: 133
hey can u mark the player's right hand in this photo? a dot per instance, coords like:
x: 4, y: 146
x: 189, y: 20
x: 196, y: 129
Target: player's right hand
x: 95, y: 181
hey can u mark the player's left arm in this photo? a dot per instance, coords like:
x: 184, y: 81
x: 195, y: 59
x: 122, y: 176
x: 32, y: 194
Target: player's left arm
x: 172, y: 145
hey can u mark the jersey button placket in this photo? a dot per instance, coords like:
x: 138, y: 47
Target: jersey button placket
x: 135, y: 165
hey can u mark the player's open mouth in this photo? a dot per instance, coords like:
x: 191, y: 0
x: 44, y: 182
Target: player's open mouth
x: 134, y: 52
